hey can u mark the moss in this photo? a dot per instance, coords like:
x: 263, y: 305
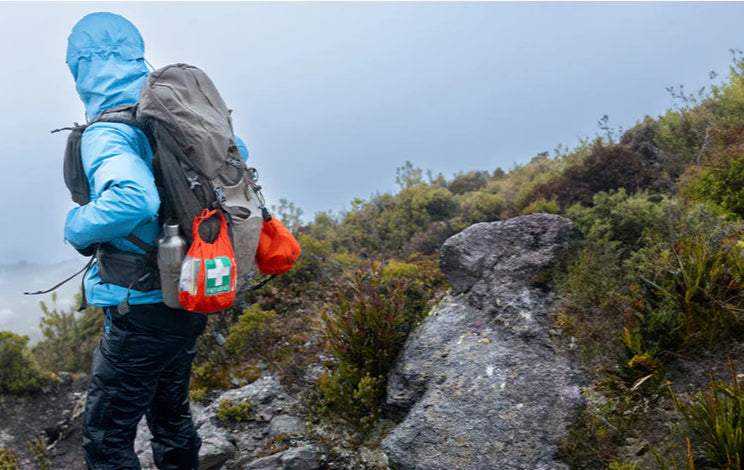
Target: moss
x: 230, y: 411
x: 8, y: 459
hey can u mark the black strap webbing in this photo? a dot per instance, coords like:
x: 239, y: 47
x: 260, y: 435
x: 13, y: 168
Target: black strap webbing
x: 140, y: 243
x: 85, y: 268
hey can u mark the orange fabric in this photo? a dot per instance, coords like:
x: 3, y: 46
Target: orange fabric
x: 277, y: 250
x: 209, y: 271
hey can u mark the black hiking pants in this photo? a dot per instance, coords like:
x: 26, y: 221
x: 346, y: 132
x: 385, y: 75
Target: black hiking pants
x: 142, y: 366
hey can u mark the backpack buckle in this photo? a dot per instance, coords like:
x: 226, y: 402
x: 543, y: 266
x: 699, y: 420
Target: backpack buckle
x: 193, y: 181
x: 219, y: 193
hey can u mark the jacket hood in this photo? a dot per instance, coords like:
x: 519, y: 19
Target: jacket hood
x: 106, y: 55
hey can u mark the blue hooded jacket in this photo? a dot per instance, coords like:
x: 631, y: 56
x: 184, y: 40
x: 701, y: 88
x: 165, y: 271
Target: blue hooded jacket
x: 105, y: 54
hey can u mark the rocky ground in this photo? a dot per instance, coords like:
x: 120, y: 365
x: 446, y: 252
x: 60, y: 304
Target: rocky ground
x: 272, y: 436
x: 53, y: 415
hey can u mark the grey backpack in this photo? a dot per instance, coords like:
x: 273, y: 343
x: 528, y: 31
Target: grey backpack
x: 196, y: 160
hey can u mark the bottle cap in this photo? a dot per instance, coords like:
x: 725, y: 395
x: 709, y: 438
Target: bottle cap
x: 170, y: 230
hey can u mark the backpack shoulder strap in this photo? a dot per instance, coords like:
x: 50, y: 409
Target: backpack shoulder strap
x: 125, y: 114
x: 74, y: 173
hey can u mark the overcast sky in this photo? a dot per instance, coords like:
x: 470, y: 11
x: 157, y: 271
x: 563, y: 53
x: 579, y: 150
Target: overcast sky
x: 332, y: 97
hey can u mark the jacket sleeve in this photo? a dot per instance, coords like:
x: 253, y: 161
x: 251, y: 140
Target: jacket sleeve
x: 123, y: 192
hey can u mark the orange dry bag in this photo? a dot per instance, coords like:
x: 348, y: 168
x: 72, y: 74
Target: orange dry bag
x: 277, y: 250
x: 208, y: 273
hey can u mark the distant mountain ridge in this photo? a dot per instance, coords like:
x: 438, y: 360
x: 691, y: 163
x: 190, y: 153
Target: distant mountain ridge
x: 20, y: 313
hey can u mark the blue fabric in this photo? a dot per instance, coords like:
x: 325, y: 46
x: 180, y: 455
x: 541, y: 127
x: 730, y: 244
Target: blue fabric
x: 105, y: 56
x: 241, y: 146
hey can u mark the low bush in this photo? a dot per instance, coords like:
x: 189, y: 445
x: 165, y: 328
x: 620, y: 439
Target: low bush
x: 594, y: 304
x: 602, y: 427
x: 722, y: 185
x: 623, y: 466
x: 40, y: 452
x: 477, y: 206
x: 69, y: 337
x: 365, y: 327
x: 8, y: 459
x: 230, y: 411
x: 715, y: 420
x: 468, y: 182
x: 699, y: 280
x: 258, y: 339
x: 19, y: 372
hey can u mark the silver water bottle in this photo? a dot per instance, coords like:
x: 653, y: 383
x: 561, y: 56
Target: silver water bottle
x: 171, y: 252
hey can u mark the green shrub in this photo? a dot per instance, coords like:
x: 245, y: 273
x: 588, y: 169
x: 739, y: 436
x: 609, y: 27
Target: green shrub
x: 541, y: 205
x: 642, y: 138
x: 385, y: 226
x: 702, y: 280
x: 230, y: 411
x: 198, y: 395
x: 722, y: 185
x: 600, y: 430
x: 477, y: 206
x: 655, y: 332
x: 620, y: 217
x: 715, y: 417
x: 468, y: 182
x: 259, y: 338
x: 8, y: 459
x: 623, y: 466
x: 253, y: 332
x: 19, y: 371
x: 69, y: 337
x: 349, y: 397
x: 429, y: 239
x: 39, y: 450
x: 210, y: 374
x: 312, y: 268
x: 728, y: 111
x: 594, y: 301
x: 369, y: 322
x: 681, y: 136
x: 519, y: 187
x: 266, y: 338
x: 365, y: 327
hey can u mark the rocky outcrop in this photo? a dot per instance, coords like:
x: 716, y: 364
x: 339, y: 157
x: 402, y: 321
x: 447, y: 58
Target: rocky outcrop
x: 479, y: 382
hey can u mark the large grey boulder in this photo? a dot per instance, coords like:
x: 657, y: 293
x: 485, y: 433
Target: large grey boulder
x: 479, y: 382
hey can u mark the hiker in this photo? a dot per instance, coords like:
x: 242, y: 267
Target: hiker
x: 142, y: 364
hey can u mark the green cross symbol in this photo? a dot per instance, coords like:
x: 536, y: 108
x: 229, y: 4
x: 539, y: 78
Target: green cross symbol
x: 218, y: 275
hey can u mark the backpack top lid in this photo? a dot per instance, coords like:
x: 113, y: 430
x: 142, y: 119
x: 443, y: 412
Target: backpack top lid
x: 186, y: 103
